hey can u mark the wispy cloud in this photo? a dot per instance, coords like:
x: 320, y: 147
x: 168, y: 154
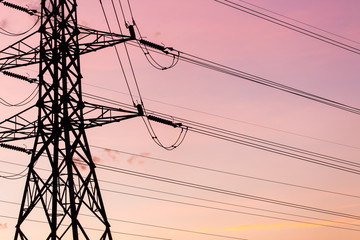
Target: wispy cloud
x: 268, y: 226
x: 81, y: 165
x: 96, y: 159
x: 111, y: 155
x: 3, y: 23
x: 274, y: 226
x: 134, y: 159
x: 3, y: 226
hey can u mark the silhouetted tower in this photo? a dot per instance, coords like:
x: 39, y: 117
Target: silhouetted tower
x: 67, y: 198
x: 70, y: 191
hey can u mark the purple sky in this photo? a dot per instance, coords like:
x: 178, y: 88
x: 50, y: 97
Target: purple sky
x: 218, y: 33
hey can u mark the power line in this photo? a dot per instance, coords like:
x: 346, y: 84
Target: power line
x: 94, y: 229
x: 266, y: 82
x: 225, y: 192
x: 289, y: 26
x: 13, y: 176
x: 227, y: 204
x: 117, y: 54
x: 234, y: 72
x: 301, y: 22
x: 229, y: 210
x: 230, y: 173
x: 146, y: 121
x: 254, y: 142
x: 231, y: 119
x: 12, y: 34
x: 216, y: 171
x: 148, y: 225
x: 220, y: 209
x: 132, y: 173
x: 24, y: 102
x: 175, y: 229
x: 202, y: 187
x: 219, y: 171
x: 202, y: 62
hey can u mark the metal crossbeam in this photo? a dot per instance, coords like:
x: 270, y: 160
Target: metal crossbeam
x: 71, y: 187
x: 22, y: 53
x: 18, y: 127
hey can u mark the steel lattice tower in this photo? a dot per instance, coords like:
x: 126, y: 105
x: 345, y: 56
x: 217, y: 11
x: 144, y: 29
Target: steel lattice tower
x: 66, y: 199
x: 71, y: 187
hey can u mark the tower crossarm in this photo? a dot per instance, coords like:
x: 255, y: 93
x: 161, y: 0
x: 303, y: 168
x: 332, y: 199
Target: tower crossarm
x: 98, y: 115
x: 22, y: 53
x: 91, y: 40
x: 18, y: 126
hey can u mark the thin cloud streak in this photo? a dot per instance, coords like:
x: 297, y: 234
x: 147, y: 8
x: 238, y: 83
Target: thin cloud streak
x: 283, y: 225
x: 3, y: 226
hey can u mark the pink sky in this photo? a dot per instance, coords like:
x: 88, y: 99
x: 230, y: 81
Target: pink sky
x: 215, y: 32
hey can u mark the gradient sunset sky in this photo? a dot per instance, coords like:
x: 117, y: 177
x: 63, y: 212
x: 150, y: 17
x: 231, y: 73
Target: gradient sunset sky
x: 213, y: 31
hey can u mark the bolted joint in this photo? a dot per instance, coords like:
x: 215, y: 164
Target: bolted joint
x: 81, y: 105
x: 64, y: 47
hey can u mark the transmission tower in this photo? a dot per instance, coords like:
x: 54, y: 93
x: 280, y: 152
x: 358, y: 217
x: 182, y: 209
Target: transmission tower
x: 70, y: 191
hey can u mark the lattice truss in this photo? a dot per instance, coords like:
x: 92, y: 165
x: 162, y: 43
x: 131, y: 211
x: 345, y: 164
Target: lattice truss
x: 70, y: 190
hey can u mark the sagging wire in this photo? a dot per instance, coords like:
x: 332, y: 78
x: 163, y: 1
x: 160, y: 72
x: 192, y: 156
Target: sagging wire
x: 146, y: 119
x: 144, y: 44
x: 117, y: 54
x: 132, y: 34
x: 141, y: 108
x: 26, y: 100
x: 15, y: 176
x: 11, y: 34
x: 140, y: 105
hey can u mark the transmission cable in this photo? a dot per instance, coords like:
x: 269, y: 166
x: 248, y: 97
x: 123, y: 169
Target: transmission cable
x: 228, y: 173
x: 246, y: 76
x: 232, y: 119
x: 229, y: 210
x: 289, y: 26
x: 220, y: 202
x: 227, y: 204
x: 143, y: 44
x: 237, y: 73
x: 14, y: 176
x: 140, y: 105
x: 94, y: 229
x: 221, y: 191
x: 24, y: 102
x: 142, y: 224
x: 11, y: 34
x: 117, y: 54
x: 301, y: 22
x: 218, y: 171
x: 198, y: 61
x: 258, y: 143
x: 226, y: 192
x: 127, y: 51
x: 269, y: 146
